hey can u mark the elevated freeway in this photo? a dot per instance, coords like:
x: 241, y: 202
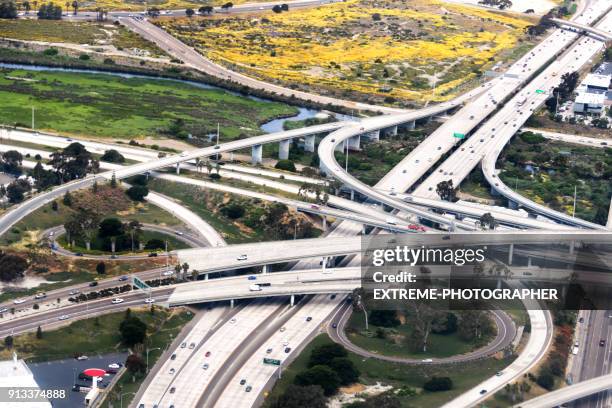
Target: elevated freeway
x: 570, y: 393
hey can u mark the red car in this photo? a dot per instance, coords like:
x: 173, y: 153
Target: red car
x: 207, y: 354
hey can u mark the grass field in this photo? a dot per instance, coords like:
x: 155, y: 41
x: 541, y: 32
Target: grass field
x: 95, y: 336
x: 90, y: 33
x: 464, y: 376
x: 99, y: 105
x: 439, y: 345
x: 390, y: 50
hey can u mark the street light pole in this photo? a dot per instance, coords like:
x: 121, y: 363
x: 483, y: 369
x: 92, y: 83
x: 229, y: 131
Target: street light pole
x: 147, y: 353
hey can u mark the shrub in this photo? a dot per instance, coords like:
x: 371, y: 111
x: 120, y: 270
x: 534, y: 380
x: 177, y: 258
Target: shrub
x: 438, y: 384
x: 51, y: 51
x: 286, y: 165
x: 84, y: 57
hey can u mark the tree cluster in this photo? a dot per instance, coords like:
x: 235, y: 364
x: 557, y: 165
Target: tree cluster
x: 12, y: 266
x: 49, y: 11
x: 8, y: 9
x: 73, y: 162
x: 132, y: 330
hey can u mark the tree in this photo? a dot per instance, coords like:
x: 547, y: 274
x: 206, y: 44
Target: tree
x: 137, y: 193
x: 135, y: 364
x: 15, y: 191
x: 134, y: 228
x: 205, y: 10
x: 487, y: 221
x: 277, y: 9
x: 285, y: 7
x: 153, y: 12
x: 11, y: 162
x: 286, y: 165
x: 101, y: 268
x: 110, y: 227
x: 75, y: 6
x: 227, y: 6
x: 113, y: 181
x: 8, y: 10
x: 473, y: 324
x: 49, y: 12
x: 346, y: 370
x: 132, y: 331
x: 438, y: 384
x: 67, y: 200
x: 384, y: 318
x: 43, y: 179
x: 155, y: 243
x: 446, y: 191
x: 39, y: 333
x: 8, y: 342
x: 424, y: 317
x: 72, y: 162
x: 233, y: 210
x: 189, y: 12
x: 319, y: 375
x: 112, y: 156
x: 296, y: 396
x: 324, y: 354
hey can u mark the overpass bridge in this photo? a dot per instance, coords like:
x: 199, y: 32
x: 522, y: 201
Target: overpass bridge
x: 594, y: 31
x: 571, y: 393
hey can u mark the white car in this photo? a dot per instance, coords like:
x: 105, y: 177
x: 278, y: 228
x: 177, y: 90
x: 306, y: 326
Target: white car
x: 149, y: 300
x: 168, y: 273
x: 117, y: 301
x: 81, y: 358
x: 114, y: 365
x: 73, y: 292
x: 19, y: 301
x: 242, y: 258
x: 233, y: 320
x: 63, y: 317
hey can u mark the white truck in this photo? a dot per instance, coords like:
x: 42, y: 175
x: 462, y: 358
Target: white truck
x: 255, y: 288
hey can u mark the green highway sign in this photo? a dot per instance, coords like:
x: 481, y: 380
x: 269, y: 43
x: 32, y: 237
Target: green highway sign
x: 271, y: 361
x: 459, y: 135
x: 140, y: 284
x: 540, y: 91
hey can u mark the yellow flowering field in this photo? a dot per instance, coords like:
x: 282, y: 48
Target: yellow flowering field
x: 391, y: 50
x: 138, y: 5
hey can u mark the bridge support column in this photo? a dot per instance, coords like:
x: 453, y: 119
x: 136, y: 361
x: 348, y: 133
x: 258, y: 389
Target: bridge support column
x: 354, y: 143
x: 410, y: 125
x: 324, y: 223
x: 256, y: 154
x: 373, y: 135
x: 324, y: 263
x: 292, y: 301
x: 529, y: 262
x: 340, y: 147
x: 609, y: 222
x: 510, y: 254
x: 283, y: 149
x: 571, y: 247
x: 322, y: 168
x: 392, y: 131
x: 352, y: 195
x: 205, y: 276
x: 513, y: 205
x: 232, y: 303
x: 264, y: 269
x: 178, y: 168
x: 309, y: 143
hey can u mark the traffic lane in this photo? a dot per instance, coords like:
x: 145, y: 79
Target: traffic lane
x: 79, y: 311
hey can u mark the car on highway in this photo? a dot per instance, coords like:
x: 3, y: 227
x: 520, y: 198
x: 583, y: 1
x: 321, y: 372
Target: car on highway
x: 168, y: 273
x: 116, y: 301
x: 172, y: 371
x: 242, y: 382
x: 82, y: 357
x: 152, y: 254
x: 19, y: 301
x: 192, y: 346
x: 217, y: 147
x: 268, y: 351
x: 248, y: 388
x: 252, y: 277
x: 315, y: 207
x: 172, y: 390
x: 173, y: 356
x: 308, y: 318
x: 92, y: 284
x: 287, y: 350
x: 207, y: 354
x: 183, y: 344
x: 232, y: 320
x: 63, y: 317
x: 390, y: 221
x: 114, y: 365
x: 149, y: 300
x: 73, y: 292
x: 40, y: 295
x: 334, y: 325
x: 123, y: 278
x: 242, y: 257
x: 205, y: 366
x: 4, y: 310
x: 427, y: 360
x: 602, y: 343
x: 499, y: 373
x: 282, y: 329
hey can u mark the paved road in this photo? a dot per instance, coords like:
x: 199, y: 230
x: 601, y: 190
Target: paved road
x: 572, y: 139
x: 558, y: 397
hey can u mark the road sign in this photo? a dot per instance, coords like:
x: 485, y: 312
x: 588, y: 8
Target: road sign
x: 140, y: 284
x: 540, y: 91
x: 271, y: 361
x: 459, y: 135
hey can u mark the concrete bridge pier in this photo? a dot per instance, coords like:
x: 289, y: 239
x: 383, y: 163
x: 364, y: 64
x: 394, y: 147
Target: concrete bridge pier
x: 309, y: 143
x: 283, y: 149
x: 205, y: 276
x: 178, y: 168
x: 340, y: 147
x: 609, y: 222
x: 571, y: 246
x: 529, y: 262
x: 409, y: 125
x: 231, y: 303
x: 264, y: 269
x: 510, y: 254
x: 324, y: 223
x: 292, y: 301
x: 373, y: 135
x: 513, y: 205
x: 322, y: 168
x: 392, y: 131
x: 257, y: 154
x: 352, y: 195
x: 354, y: 143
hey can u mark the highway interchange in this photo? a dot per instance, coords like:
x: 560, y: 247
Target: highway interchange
x: 488, y: 109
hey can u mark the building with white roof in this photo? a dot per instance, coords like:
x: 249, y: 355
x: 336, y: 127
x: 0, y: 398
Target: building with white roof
x: 587, y: 102
x: 595, y: 83
x: 15, y: 374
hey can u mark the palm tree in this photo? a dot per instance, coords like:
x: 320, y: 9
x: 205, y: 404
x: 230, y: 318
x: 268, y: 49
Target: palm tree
x: 26, y: 6
x: 134, y: 228
x: 75, y: 6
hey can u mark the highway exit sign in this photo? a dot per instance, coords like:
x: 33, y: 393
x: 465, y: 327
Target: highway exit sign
x: 459, y: 135
x: 140, y: 284
x: 271, y: 361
